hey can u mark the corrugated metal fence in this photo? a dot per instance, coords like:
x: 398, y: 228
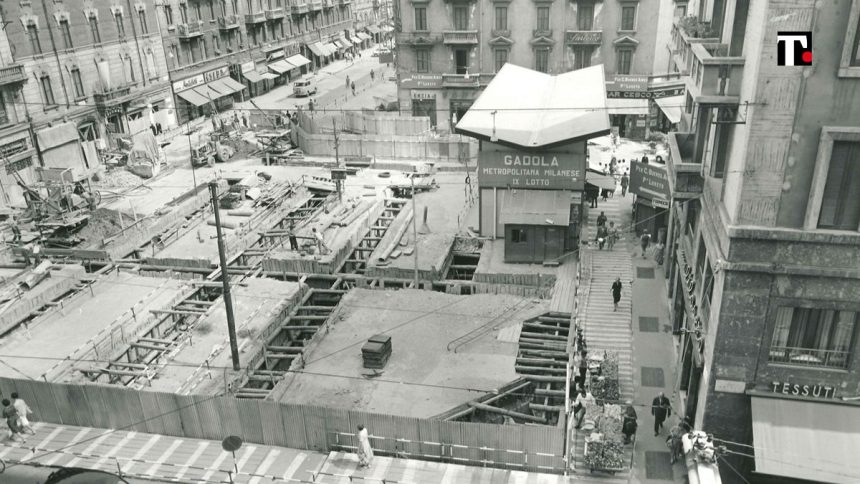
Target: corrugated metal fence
x: 519, y: 447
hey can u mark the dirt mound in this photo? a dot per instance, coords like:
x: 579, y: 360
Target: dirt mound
x: 120, y: 178
x: 103, y: 223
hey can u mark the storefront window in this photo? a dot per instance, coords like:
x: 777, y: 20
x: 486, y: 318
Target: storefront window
x: 813, y: 337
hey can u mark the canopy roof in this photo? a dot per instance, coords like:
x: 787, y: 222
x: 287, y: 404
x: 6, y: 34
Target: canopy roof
x: 533, y: 109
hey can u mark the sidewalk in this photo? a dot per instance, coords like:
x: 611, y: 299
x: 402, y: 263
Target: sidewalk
x: 163, y: 458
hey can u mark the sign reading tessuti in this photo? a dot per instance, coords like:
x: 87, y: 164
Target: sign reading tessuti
x: 649, y: 181
x: 547, y: 171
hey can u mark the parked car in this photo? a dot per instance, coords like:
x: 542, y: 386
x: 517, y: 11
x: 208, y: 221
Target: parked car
x: 304, y: 87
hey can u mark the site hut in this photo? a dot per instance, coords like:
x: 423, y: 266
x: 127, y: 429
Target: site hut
x: 532, y: 157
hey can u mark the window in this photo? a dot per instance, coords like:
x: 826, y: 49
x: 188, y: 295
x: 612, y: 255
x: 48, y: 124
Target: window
x: 692, y: 217
x: 628, y: 17
x: 33, y: 35
x: 850, y: 63
x: 66, y: 33
x: 15, y: 166
x: 501, y: 18
x: 183, y: 13
x: 168, y: 14
x: 150, y: 64
x: 120, y: 28
x: 211, y: 9
x: 501, y: 56
x: 47, y: 92
x: 235, y: 7
x: 625, y: 59
x: 198, y: 15
x: 582, y: 56
x: 840, y: 207
x: 174, y: 54
x: 141, y: 18
x: 813, y: 337
x: 680, y: 10
x: 543, y: 18
x: 223, y: 4
x: 94, y: 29
x: 420, y: 18
x: 585, y: 16
x: 518, y: 236
x: 542, y: 60
x: 422, y: 61
x: 461, y: 18
x: 78, y: 83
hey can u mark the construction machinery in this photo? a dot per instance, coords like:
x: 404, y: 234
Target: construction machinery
x: 59, y: 204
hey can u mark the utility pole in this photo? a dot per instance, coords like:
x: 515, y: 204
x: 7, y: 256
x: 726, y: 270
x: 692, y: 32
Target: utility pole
x: 414, y: 229
x: 222, y: 255
x: 337, y: 159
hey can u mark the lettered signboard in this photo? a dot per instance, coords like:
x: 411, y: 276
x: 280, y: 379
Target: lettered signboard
x: 531, y: 170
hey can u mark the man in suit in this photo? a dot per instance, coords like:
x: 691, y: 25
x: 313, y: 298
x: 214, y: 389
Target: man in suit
x: 661, y: 408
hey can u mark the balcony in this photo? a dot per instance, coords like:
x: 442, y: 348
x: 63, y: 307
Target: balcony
x: 538, y: 33
x: 685, y: 170
x: 316, y: 5
x: 461, y: 80
x: 299, y: 9
x: 460, y: 37
x: 583, y: 37
x: 715, y: 78
x: 189, y: 31
x: 276, y: 13
x: 500, y: 33
x: 346, y: 2
x: 228, y: 22
x: 419, y: 38
x: 810, y: 357
x: 683, y: 37
x: 111, y: 97
x: 328, y: 3
x: 375, y: 4
x: 255, y: 18
x: 12, y: 74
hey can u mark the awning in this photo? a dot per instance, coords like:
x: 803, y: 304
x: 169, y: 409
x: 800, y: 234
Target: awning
x: 281, y: 66
x: 346, y: 43
x: 193, y: 97
x: 298, y: 60
x: 207, y: 92
x: 373, y: 29
x: 338, y: 44
x: 362, y: 36
x: 806, y: 440
x: 330, y: 48
x: 317, y: 49
x: 604, y: 182
x: 227, y: 86
x: 671, y: 107
x: 535, y: 207
x: 253, y: 76
x: 627, y: 106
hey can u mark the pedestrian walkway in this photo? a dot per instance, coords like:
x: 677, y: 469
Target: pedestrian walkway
x: 164, y: 458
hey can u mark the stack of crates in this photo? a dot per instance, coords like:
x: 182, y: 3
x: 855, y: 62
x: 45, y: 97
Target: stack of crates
x: 376, y: 351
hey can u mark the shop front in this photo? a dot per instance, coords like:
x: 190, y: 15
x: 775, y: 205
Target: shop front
x: 375, y: 33
x: 277, y: 64
x: 650, y: 186
x: 422, y: 94
x: 637, y: 106
x: 424, y: 104
x: 301, y: 63
x: 258, y: 82
x: 205, y: 93
x: 318, y: 54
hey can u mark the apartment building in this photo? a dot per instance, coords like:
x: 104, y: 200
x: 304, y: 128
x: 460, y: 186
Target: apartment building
x: 764, y: 235
x: 448, y: 50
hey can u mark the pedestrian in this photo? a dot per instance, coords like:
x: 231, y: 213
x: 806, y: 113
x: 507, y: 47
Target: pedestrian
x: 37, y: 252
x: 24, y: 413
x: 291, y: 234
x: 245, y: 119
x: 372, y: 75
x: 585, y: 397
x: 602, y: 235
x: 629, y: 425
x: 674, y: 441
x: 616, y: 293
x: 644, y: 242
x: 661, y: 409
x: 580, y: 363
x: 592, y: 192
x: 604, y: 194
x: 625, y: 182
x: 318, y: 237
x: 601, y: 219
x: 347, y: 82
x: 644, y: 159
x: 353, y: 88
x: 16, y: 231
x: 659, y: 250
x: 365, y: 451
x: 612, y: 235
x: 12, y: 421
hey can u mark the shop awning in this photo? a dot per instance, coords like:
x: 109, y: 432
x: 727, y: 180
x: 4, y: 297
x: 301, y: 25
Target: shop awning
x: 298, y: 60
x: 281, y: 67
x: 193, y: 97
x: 227, y: 86
x: 373, y: 29
x: 604, y: 182
x: 330, y: 48
x: 627, y: 106
x: 671, y: 107
x: 207, y: 92
x: 338, y: 44
x: 535, y: 207
x: 317, y: 49
x: 806, y: 439
x: 346, y: 43
x: 253, y: 76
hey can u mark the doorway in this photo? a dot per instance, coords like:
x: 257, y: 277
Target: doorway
x: 461, y: 60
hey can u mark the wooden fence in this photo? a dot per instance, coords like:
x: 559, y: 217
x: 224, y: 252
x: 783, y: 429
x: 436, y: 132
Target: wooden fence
x: 520, y: 447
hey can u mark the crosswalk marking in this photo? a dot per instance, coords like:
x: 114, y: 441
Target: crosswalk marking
x: 294, y: 466
x: 116, y: 448
x: 378, y: 469
x: 449, y: 476
x: 141, y: 452
x: 201, y: 447
x: 90, y: 448
x: 249, y: 451
x: 163, y: 457
x: 215, y: 467
x: 264, y: 466
x: 44, y: 443
x: 77, y: 438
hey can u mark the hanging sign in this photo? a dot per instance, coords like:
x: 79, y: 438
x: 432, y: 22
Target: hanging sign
x: 649, y: 181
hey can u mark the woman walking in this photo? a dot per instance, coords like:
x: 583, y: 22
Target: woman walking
x: 365, y: 452
x: 13, y: 421
x: 612, y: 235
x: 616, y: 293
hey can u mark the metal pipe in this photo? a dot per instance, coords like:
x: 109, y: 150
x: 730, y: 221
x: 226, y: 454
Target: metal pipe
x: 225, y: 281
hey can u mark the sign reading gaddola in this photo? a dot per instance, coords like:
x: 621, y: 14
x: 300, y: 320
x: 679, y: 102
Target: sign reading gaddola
x: 553, y: 171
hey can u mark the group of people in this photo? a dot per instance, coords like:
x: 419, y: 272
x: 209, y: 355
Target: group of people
x: 17, y: 414
x: 606, y: 235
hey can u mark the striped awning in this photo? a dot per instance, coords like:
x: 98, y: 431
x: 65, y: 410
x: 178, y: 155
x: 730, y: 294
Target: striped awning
x: 192, y: 97
x: 281, y: 66
x: 330, y: 48
x: 298, y: 60
x: 317, y: 49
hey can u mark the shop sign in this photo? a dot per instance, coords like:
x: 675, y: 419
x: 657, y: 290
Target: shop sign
x: 640, y: 123
x: 587, y: 38
x: 797, y: 390
x: 621, y: 82
x: 421, y: 81
x: 422, y: 96
x: 649, y: 181
x: 15, y: 147
x: 730, y: 386
x: 248, y: 67
x: 657, y: 203
x: 201, y: 79
x: 535, y: 170
x: 614, y: 94
x: 690, y: 289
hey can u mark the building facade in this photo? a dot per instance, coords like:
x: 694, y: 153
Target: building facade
x: 764, y: 236
x: 448, y: 50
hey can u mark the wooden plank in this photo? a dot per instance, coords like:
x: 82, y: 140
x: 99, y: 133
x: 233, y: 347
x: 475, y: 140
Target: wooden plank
x: 177, y: 312
x: 544, y: 353
x: 509, y: 413
x: 545, y: 392
x: 540, y: 362
x: 540, y: 369
x: 546, y: 408
x: 551, y: 337
x: 543, y: 378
